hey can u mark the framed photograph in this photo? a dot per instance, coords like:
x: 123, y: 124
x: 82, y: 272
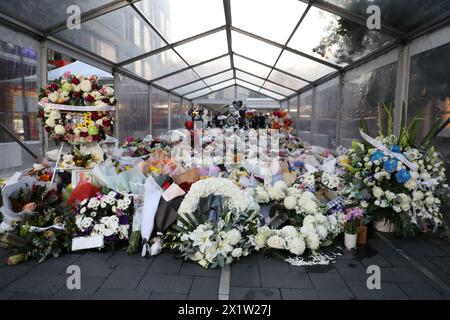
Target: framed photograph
x: 82, y: 175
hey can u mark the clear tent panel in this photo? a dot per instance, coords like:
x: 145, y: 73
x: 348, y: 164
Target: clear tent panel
x: 117, y: 36
x: 251, y: 67
x: 303, y: 67
x: 172, y: 17
x: 403, y: 15
x: 271, y: 94
x: 211, y: 46
x: 157, y: 65
x: 276, y: 88
x: 190, y: 87
x: 224, y: 94
x: 223, y: 85
x: 287, y: 80
x: 274, y: 20
x: 219, y: 77
x: 247, y: 94
x: 198, y: 93
x: 213, y: 67
x: 177, y: 79
x: 247, y: 85
x: 44, y: 14
x: 247, y: 77
x: 254, y: 49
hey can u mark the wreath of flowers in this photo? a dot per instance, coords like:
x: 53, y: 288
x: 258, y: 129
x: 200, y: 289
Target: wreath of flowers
x: 62, y: 102
x: 214, y: 243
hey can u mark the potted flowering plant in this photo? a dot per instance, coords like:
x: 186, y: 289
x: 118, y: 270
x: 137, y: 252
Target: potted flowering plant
x: 352, y: 221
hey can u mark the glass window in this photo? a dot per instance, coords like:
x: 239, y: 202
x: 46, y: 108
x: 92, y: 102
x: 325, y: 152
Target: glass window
x: 177, y: 79
x: 266, y: 17
x: 212, y: 67
x: 204, y: 48
x: 157, y: 65
x: 250, y: 66
x: 172, y: 17
x: 220, y: 77
x: 429, y: 94
x: 278, y: 89
x: 247, y: 77
x: 119, y: 35
x: 44, y: 14
x: 302, y: 67
x: 286, y: 80
x: 254, y: 49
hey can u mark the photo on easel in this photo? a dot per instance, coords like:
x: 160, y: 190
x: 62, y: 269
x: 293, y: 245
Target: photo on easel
x: 83, y: 176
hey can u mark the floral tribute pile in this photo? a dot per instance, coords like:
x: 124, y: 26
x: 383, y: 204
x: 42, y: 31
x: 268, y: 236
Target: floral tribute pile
x: 151, y: 194
x: 76, y: 109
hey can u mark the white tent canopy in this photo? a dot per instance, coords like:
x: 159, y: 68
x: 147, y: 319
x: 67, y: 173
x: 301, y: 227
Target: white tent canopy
x: 81, y: 68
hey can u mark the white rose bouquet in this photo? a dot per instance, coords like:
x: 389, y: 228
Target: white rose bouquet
x: 108, y: 215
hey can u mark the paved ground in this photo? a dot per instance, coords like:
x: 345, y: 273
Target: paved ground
x: 115, y: 275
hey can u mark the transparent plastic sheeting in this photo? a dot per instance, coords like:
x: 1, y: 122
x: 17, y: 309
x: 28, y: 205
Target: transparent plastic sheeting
x: 160, y: 111
x: 133, y: 110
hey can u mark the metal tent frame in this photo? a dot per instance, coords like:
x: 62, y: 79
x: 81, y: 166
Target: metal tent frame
x: 49, y: 37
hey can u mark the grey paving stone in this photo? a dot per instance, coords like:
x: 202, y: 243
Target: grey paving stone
x: 330, y: 286
x: 347, y: 255
x: 165, y: 263
x: 442, y: 263
x: 252, y: 259
x: 270, y: 264
x: 245, y: 275
x: 377, y: 260
x: 166, y: 283
x: 389, y: 254
x: 121, y: 256
x: 29, y: 296
x: 95, y: 269
x: 39, y: 284
x: 89, y: 286
x: 272, y: 279
x: 394, y: 274
x: 120, y: 294
x: 125, y: 276
x: 300, y: 269
x: 168, y: 296
x: 10, y: 273
x: 242, y: 293
x: 95, y: 256
x: 56, y: 266
x: 420, y: 291
x: 204, y: 289
x: 388, y: 291
x: 299, y: 294
x: 5, y: 295
x: 325, y: 269
x: 351, y: 270
x: 194, y: 269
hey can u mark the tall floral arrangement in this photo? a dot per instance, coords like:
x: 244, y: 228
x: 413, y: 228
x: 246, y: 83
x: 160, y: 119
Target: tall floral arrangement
x: 394, y: 178
x: 77, y: 109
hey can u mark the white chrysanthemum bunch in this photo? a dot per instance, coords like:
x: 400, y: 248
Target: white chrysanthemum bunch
x: 288, y: 238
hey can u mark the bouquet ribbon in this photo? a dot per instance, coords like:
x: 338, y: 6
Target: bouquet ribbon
x: 382, y: 147
x: 58, y: 226
x: 66, y: 107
